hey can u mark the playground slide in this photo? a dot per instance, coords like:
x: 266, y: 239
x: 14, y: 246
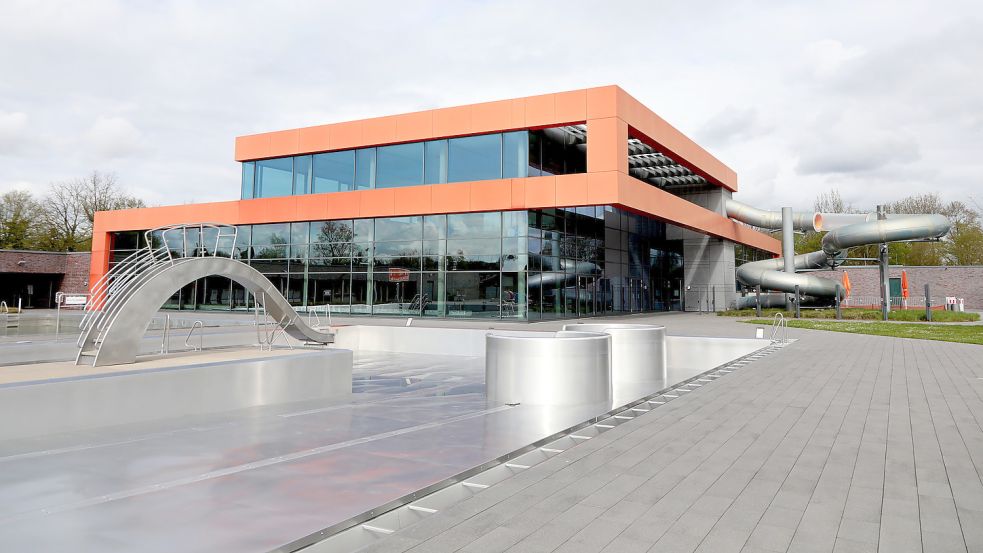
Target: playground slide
x: 844, y: 231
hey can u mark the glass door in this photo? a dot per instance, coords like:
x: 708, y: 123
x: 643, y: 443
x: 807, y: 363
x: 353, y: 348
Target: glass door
x: 586, y: 296
x: 635, y: 291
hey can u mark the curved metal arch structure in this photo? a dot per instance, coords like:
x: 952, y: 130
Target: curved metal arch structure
x: 126, y: 302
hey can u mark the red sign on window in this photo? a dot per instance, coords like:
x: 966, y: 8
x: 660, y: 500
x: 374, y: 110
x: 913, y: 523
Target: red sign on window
x: 398, y: 275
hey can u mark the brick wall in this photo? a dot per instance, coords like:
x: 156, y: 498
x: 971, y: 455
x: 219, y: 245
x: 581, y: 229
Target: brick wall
x: 74, y: 266
x: 963, y: 282
x: 76, y: 280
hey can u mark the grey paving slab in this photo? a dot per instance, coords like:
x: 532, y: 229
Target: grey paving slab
x: 836, y: 443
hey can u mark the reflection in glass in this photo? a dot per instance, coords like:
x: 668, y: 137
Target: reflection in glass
x: 334, y: 172
x: 395, y: 293
x: 399, y: 165
x: 302, y: 174
x: 515, y: 154
x: 432, y: 294
x: 331, y: 231
x: 434, y: 227
x: 363, y: 230
x: 365, y: 168
x: 475, y: 158
x: 398, y: 228
x: 473, y: 294
x: 248, y: 174
x: 436, y: 162
x: 331, y: 289
x: 274, y: 177
x: 474, y: 225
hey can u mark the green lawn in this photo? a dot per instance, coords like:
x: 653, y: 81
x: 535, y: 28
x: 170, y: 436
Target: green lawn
x: 854, y: 313
x: 968, y: 334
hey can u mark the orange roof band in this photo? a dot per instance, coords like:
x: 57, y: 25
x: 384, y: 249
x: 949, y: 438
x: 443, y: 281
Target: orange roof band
x: 546, y: 110
x: 602, y: 188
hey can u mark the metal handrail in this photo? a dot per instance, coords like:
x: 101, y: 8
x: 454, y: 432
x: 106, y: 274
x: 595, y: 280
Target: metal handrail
x: 201, y: 336
x: 111, y: 291
x: 165, y: 337
x: 780, y: 324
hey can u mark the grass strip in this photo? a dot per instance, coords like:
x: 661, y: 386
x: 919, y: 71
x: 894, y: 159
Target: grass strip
x: 965, y: 334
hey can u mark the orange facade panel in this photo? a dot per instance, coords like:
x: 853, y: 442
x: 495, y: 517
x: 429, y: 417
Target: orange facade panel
x: 314, y: 139
x: 599, y: 188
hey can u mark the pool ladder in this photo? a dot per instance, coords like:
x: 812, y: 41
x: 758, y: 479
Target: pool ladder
x: 779, y: 329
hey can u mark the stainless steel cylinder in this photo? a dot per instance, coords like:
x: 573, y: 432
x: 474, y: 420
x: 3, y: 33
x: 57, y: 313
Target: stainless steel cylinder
x: 638, y: 351
x: 561, y: 368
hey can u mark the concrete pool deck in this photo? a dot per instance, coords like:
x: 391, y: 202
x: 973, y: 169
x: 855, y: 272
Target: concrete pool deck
x: 837, y: 443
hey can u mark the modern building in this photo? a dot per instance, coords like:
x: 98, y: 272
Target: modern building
x: 562, y: 205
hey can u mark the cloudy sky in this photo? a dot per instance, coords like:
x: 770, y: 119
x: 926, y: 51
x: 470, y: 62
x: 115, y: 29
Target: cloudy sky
x: 875, y: 99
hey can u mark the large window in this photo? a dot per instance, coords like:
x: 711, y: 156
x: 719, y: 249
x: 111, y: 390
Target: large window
x: 365, y: 168
x: 274, y: 177
x: 334, y: 172
x: 302, y: 174
x: 551, y: 151
x: 475, y: 158
x: 537, y: 264
x: 248, y: 179
x: 400, y: 165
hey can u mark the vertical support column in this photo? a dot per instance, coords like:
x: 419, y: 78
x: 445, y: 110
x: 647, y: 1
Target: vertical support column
x: 928, y: 303
x: 839, y: 311
x: 798, y: 298
x: 607, y: 145
x: 757, y: 300
x: 788, y: 248
x: 883, y: 262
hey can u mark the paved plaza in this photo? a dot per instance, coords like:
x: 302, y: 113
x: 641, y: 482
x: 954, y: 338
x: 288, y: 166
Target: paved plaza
x: 838, y: 442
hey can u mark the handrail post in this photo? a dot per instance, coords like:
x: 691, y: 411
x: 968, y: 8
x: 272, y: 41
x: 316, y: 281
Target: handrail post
x: 798, y: 301
x: 928, y: 303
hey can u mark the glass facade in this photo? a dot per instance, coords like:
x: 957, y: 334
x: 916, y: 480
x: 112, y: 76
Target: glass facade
x: 537, y: 264
x: 551, y: 151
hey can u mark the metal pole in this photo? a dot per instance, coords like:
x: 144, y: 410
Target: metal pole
x: 928, y: 304
x: 788, y: 248
x: 839, y: 312
x: 798, y: 314
x: 885, y: 277
x: 57, y: 318
x: 757, y: 300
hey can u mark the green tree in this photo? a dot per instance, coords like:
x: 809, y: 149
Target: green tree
x: 965, y: 245
x: 19, y: 215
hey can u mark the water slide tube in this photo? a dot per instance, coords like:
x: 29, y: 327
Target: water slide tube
x: 843, y: 231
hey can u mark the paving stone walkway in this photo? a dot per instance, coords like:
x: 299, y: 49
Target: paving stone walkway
x: 837, y: 443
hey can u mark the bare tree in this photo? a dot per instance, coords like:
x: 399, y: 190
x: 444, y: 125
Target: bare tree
x: 65, y: 227
x: 69, y: 209
x: 832, y: 202
x: 100, y: 192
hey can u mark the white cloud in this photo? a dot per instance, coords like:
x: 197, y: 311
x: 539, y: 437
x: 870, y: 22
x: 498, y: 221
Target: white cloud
x: 828, y: 56
x: 731, y: 124
x: 13, y: 132
x: 795, y: 96
x: 113, y: 137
